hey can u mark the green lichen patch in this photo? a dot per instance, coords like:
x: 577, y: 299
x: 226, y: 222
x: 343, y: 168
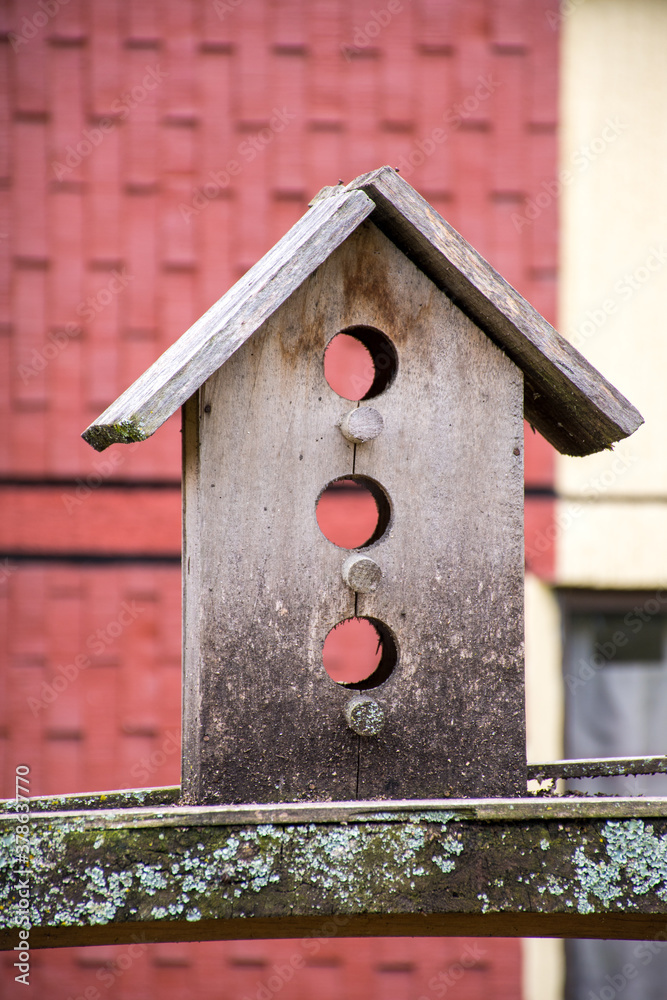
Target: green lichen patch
x: 451, y: 846
x: 361, y: 864
x: 421, y: 815
x: 633, y: 844
x: 637, y: 865
x: 554, y: 886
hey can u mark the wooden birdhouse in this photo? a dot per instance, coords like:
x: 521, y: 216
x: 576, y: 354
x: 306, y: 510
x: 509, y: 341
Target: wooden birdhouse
x: 432, y: 433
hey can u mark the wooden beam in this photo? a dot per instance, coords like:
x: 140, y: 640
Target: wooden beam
x: 571, y: 867
x: 604, y: 767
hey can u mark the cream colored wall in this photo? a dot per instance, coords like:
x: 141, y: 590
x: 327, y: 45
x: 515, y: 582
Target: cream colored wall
x: 616, y: 546
x: 543, y: 969
x: 613, y: 281
x: 613, y: 306
x: 543, y: 965
x: 544, y: 674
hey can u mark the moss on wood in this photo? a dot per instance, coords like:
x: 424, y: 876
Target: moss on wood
x: 100, y: 436
x: 390, y: 874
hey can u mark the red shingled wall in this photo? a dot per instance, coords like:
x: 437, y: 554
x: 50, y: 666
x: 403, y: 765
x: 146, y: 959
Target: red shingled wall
x: 110, y: 255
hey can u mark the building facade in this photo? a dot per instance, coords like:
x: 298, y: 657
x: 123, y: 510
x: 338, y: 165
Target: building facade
x: 153, y: 152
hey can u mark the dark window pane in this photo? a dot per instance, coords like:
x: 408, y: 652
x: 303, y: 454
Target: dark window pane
x: 634, y: 637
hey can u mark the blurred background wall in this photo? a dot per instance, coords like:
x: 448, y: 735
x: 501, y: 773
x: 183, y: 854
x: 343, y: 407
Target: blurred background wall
x: 151, y: 153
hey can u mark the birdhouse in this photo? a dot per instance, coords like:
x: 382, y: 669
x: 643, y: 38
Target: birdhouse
x: 427, y: 438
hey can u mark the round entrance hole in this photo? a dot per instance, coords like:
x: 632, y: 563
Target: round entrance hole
x: 360, y: 362
x: 353, y: 511
x: 360, y: 653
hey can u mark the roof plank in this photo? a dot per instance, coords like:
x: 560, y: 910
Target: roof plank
x: 184, y: 366
x: 565, y: 397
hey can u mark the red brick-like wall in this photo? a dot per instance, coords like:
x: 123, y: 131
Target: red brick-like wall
x: 151, y: 152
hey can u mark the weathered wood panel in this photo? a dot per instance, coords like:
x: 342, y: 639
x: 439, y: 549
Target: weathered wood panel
x: 575, y: 867
x: 263, y: 721
x: 148, y: 807
x: 597, y: 767
x: 193, y: 541
x: 450, y: 458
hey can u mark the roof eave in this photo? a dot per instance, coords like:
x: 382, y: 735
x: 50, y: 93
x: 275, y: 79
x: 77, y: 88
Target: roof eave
x: 209, y: 342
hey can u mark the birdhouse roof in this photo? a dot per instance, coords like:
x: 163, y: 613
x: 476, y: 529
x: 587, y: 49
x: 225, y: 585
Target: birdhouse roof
x: 565, y: 397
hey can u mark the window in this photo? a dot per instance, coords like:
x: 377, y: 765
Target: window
x: 615, y: 674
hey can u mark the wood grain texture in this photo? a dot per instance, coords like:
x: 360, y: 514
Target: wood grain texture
x: 566, y: 398
x: 194, y: 543
x: 592, y: 768
x: 265, y: 722
x: 183, y: 368
x: 621, y: 925
x: 105, y: 876
x: 161, y: 807
x: 362, y: 424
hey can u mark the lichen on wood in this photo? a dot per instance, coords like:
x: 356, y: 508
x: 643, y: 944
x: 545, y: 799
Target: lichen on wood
x: 99, y: 876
